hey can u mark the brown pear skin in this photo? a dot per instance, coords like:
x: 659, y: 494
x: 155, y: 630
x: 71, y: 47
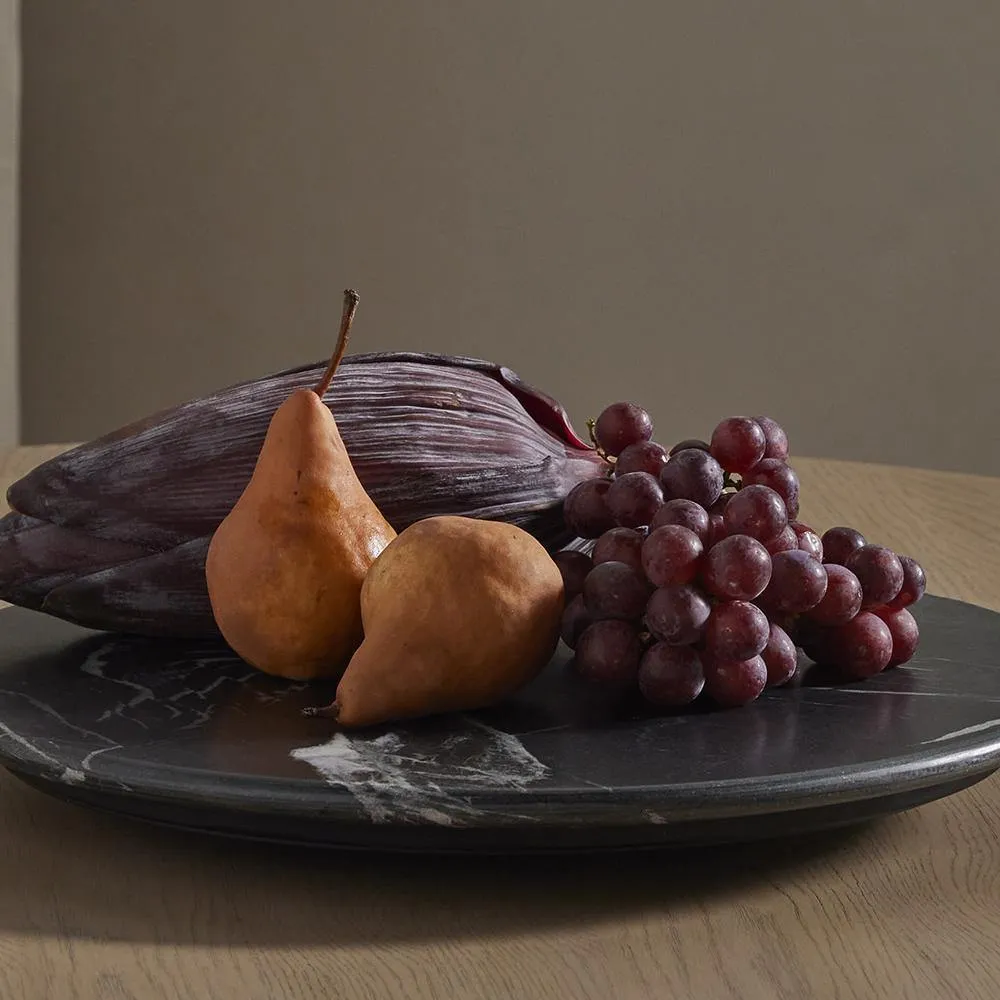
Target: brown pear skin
x: 286, y: 566
x: 458, y: 614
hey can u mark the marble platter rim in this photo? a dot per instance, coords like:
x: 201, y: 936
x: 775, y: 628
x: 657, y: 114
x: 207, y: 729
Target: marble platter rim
x: 147, y: 790
x: 784, y: 793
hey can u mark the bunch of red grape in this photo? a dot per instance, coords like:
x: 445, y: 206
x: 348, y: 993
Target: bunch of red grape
x: 702, y: 580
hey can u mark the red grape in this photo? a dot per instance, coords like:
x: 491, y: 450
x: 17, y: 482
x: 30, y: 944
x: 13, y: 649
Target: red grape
x: 737, y: 568
x: 914, y: 584
x: 689, y: 443
x: 670, y: 676
x: 586, y: 510
x: 842, y: 600
x: 862, y: 647
x: 677, y: 615
x: 784, y: 541
x: 716, y: 530
x: 609, y: 652
x: 880, y: 573
x: 620, y: 425
x: 731, y: 683
x: 692, y: 474
x: 779, y: 477
x: 574, y: 567
x: 777, y: 439
x: 839, y: 543
x: 905, y: 634
x: 736, y: 630
x: 809, y: 541
x: 756, y: 511
x: 575, y: 620
x: 798, y: 583
x: 686, y: 513
x: 779, y: 657
x: 738, y: 444
x: 620, y: 545
x: 643, y: 456
x: 615, y: 590
x: 720, y: 505
x: 671, y: 555
x: 634, y: 499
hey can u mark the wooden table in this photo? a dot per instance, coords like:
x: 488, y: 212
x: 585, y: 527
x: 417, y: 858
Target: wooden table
x: 96, y: 907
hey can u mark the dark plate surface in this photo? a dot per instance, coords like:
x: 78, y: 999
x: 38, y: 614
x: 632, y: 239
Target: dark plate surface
x: 186, y: 734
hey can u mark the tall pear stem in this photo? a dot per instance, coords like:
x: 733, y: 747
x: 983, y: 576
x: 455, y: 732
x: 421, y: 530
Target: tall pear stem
x: 351, y: 300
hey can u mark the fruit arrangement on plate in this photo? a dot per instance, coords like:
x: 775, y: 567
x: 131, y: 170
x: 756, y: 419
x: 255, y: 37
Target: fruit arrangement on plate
x: 425, y: 528
x: 701, y: 580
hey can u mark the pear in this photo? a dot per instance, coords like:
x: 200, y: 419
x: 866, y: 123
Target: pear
x: 286, y: 565
x: 458, y: 614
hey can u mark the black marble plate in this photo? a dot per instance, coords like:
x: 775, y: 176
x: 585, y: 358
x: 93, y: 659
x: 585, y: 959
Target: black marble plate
x: 186, y: 734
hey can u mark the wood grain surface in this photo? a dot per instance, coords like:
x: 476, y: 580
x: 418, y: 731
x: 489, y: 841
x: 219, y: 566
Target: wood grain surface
x: 909, y: 907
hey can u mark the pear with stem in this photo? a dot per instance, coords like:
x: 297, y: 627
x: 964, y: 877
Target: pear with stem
x: 286, y: 565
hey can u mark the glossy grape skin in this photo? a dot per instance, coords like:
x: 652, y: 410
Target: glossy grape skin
x: 720, y: 505
x: 672, y: 555
x: 880, y: 572
x: 736, y: 630
x: 738, y: 444
x: 615, y: 590
x: 785, y: 541
x: 716, y: 530
x: 677, y: 615
x: 692, y: 474
x: 839, y: 543
x: 905, y: 634
x: 689, y: 443
x: 737, y: 568
x: 575, y: 619
x: 686, y: 513
x: 775, y: 436
x: 862, y: 647
x: 842, y: 600
x: 914, y: 584
x: 779, y: 657
x: 757, y: 511
x: 634, y: 499
x: 798, y: 583
x: 643, y: 456
x: 608, y: 652
x: 574, y: 567
x: 620, y: 425
x: 779, y: 477
x: 670, y: 676
x: 620, y: 545
x: 731, y: 683
x: 809, y: 540
x: 716, y: 520
x: 586, y: 510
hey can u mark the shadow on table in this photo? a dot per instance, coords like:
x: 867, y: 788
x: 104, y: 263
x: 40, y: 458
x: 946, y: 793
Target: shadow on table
x: 77, y: 874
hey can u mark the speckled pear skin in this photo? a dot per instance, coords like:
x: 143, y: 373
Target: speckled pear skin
x: 114, y: 534
x: 458, y: 614
x: 286, y: 565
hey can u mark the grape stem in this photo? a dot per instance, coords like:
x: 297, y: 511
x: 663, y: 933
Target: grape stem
x: 601, y: 453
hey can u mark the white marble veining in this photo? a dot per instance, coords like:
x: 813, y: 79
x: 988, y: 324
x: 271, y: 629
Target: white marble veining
x: 982, y: 727
x: 394, y: 781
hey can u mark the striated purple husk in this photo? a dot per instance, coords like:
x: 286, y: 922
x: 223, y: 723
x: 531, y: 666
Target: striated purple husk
x: 113, y: 534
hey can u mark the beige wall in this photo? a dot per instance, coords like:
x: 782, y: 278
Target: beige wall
x: 705, y: 207
x: 8, y: 222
